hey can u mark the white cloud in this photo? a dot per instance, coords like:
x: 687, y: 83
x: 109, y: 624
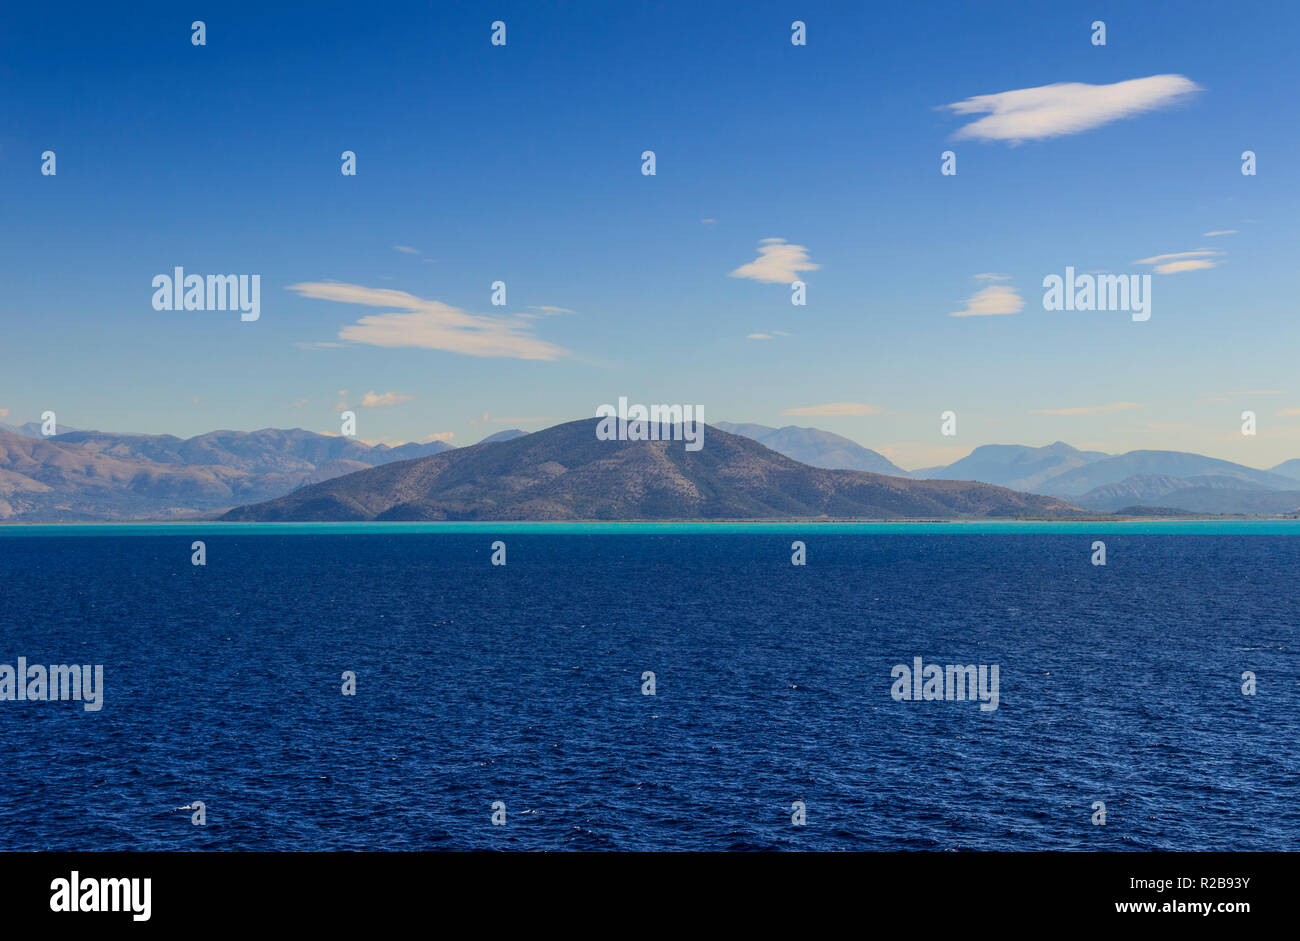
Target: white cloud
x: 759, y: 336
x: 548, y: 309
x: 778, y: 262
x: 833, y: 409
x: 406, y: 250
x: 1066, y: 107
x: 1218, y: 232
x: 1175, y: 262
x: 1174, y: 267
x: 430, y: 325
x: 371, y: 400
x: 992, y: 300
x: 1089, y: 409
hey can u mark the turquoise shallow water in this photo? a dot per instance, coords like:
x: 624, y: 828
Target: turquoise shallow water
x: 1045, y: 527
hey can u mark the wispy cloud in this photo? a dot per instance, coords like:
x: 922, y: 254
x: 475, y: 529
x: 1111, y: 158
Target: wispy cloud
x: 759, y: 336
x: 406, y: 250
x: 1181, y: 261
x: 486, y: 419
x: 778, y: 262
x: 1218, y: 232
x: 429, y: 324
x: 388, y: 399
x: 299, y: 404
x: 991, y: 300
x: 1066, y: 107
x: 1089, y: 409
x: 548, y: 309
x: 834, y: 409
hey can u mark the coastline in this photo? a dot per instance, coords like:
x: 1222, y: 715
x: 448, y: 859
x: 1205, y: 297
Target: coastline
x: 1135, y: 526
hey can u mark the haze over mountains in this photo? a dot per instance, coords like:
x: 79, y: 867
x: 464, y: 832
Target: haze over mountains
x: 92, y: 475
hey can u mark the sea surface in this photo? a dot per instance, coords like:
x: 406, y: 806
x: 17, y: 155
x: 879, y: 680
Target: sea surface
x: 523, y: 684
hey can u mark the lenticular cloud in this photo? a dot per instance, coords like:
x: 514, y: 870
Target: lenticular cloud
x: 1066, y: 107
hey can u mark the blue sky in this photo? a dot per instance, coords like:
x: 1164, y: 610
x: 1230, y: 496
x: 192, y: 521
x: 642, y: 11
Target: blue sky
x: 522, y: 163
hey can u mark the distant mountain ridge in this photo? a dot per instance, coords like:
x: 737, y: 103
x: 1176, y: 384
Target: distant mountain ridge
x: 1168, y: 463
x: 508, y: 435
x: 816, y: 448
x: 92, y: 475
x: 1174, y: 480
x: 566, y: 473
x: 1015, y: 466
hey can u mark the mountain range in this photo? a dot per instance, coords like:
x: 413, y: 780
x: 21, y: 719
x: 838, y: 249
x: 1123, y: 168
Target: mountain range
x: 92, y: 475
x: 566, y: 473
x: 1104, y: 483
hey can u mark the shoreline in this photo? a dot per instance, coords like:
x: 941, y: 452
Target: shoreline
x: 1137, y: 526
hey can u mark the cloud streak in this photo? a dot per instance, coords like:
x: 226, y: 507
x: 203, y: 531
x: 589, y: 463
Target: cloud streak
x: 432, y: 325
x: 1177, y: 262
x: 1089, y: 409
x: 834, y: 409
x: 1066, y: 107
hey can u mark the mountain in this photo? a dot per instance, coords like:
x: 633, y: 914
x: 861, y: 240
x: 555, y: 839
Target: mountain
x: 1138, y: 489
x: 1014, y: 465
x: 41, y: 480
x: 508, y: 435
x: 1149, y: 480
x: 1214, y: 500
x: 817, y: 448
x: 1111, y: 470
x: 92, y: 475
x: 566, y: 473
x: 31, y: 429
x: 1204, y: 494
x: 268, y: 451
x: 1289, y: 468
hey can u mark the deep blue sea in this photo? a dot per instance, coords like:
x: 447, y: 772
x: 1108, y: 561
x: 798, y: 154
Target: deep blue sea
x: 523, y: 684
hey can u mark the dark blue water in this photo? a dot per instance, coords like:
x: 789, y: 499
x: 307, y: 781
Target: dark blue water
x: 522, y: 684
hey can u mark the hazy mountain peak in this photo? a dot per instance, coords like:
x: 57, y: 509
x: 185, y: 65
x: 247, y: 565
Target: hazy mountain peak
x: 816, y: 447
